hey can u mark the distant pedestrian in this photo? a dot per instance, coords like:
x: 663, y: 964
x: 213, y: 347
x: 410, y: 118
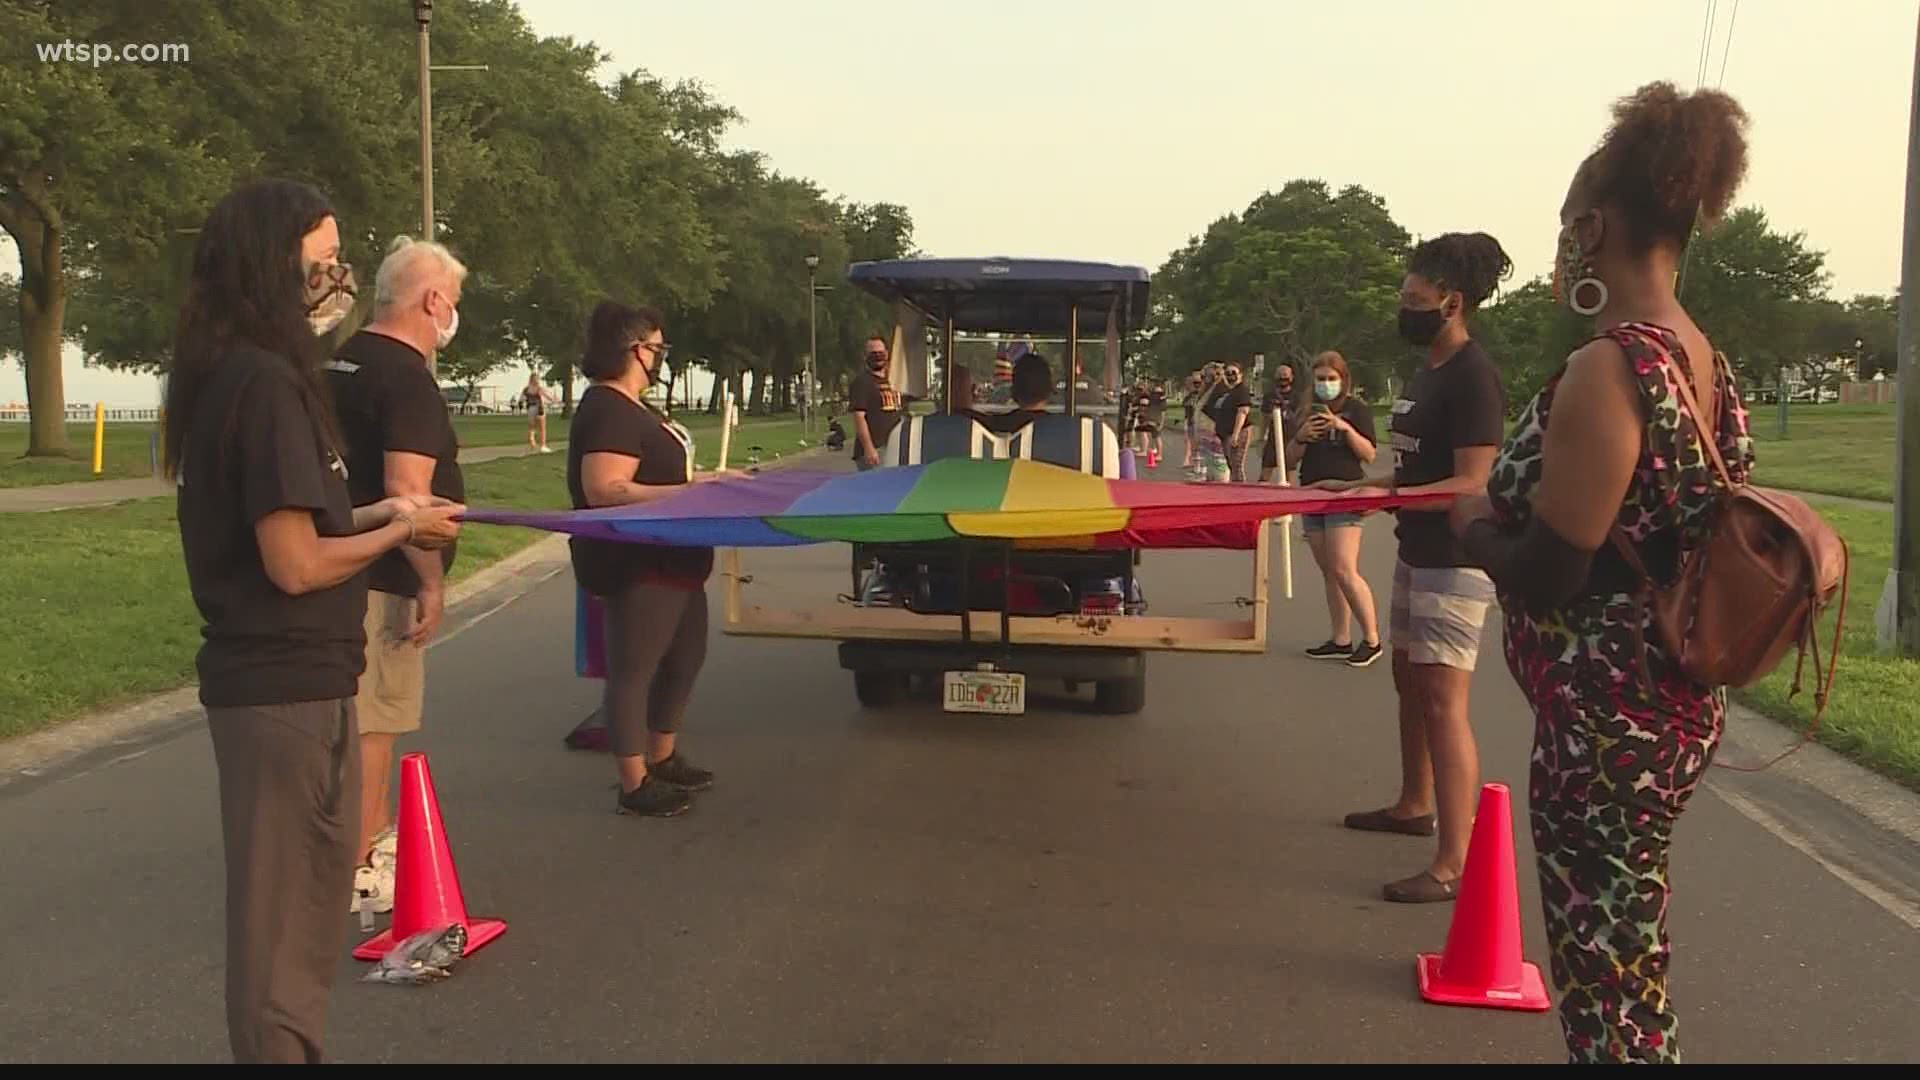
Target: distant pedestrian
x: 276, y: 556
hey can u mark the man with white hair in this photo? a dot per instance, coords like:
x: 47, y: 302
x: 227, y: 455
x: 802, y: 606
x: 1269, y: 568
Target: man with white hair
x: 400, y: 441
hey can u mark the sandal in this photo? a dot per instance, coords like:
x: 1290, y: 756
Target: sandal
x: 1382, y: 821
x: 1421, y: 888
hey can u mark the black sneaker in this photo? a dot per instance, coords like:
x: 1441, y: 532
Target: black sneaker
x: 652, y: 799
x: 1331, y: 651
x: 1364, y: 655
x: 681, y: 773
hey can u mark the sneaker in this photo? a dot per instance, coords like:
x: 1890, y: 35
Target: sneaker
x: 386, y: 848
x: 1364, y: 655
x: 1331, y: 651
x: 372, y: 890
x: 681, y: 773
x: 653, y: 799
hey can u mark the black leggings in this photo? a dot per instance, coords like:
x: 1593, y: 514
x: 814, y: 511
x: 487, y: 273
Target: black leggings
x: 656, y: 645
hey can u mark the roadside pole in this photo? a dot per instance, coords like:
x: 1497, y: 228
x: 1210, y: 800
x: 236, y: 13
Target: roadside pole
x: 1899, y: 615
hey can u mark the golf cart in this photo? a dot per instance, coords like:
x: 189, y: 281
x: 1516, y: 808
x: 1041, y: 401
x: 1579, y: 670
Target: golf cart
x: 982, y: 616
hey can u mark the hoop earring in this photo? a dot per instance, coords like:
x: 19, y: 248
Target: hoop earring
x: 1573, y: 296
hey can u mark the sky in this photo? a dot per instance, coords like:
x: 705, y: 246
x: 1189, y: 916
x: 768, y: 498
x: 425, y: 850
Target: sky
x: 1117, y: 130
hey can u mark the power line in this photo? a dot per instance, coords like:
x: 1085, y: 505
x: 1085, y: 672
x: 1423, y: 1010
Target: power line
x: 1727, y: 49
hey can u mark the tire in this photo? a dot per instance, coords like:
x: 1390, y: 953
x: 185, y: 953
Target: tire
x: 879, y: 689
x: 1121, y: 697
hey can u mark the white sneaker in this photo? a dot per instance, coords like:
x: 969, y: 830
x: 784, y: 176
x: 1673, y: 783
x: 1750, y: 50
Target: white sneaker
x: 386, y: 848
x: 372, y: 889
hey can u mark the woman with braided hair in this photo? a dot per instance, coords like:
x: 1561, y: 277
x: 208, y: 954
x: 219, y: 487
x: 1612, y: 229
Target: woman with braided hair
x: 1446, y: 426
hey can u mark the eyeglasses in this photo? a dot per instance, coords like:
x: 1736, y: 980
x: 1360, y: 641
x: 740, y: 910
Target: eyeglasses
x: 660, y: 349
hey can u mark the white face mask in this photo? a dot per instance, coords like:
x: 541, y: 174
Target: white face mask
x: 442, y: 337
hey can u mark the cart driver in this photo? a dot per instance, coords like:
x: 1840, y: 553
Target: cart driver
x: 1032, y: 388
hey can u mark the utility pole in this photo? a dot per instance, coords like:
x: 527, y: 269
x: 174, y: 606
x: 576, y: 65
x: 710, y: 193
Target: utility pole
x: 423, y: 15
x: 1902, y: 596
x: 813, y: 344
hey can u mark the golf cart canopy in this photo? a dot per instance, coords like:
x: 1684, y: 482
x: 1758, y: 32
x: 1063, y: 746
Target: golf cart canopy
x: 1031, y: 296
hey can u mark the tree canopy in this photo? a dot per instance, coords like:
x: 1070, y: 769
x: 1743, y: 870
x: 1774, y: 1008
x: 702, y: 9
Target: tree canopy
x: 555, y: 188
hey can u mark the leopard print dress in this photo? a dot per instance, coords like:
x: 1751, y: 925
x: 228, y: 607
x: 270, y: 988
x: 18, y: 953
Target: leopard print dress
x: 1612, y: 769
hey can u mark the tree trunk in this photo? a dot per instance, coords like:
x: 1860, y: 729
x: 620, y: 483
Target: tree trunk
x: 43, y: 309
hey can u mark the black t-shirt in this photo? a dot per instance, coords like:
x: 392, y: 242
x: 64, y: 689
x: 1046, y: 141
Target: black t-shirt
x: 1230, y: 401
x: 608, y: 421
x: 1330, y: 457
x: 254, y: 447
x: 881, y: 402
x: 388, y: 401
x: 1459, y: 404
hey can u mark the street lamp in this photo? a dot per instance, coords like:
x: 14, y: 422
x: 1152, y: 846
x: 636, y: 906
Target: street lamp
x: 813, y: 343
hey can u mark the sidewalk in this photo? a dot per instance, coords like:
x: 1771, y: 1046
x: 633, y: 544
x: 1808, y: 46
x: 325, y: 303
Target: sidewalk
x: 47, y: 497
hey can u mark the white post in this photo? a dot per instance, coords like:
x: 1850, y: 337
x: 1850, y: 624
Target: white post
x: 726, y: 427
x: 1286, y: 523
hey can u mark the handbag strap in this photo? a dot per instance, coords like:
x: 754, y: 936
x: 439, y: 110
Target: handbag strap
x: 1683, y: 379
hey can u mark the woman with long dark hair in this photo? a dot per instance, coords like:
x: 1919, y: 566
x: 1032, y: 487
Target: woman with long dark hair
x: 1612, y: 449
x: 622, y: 451
x: 276, y: 554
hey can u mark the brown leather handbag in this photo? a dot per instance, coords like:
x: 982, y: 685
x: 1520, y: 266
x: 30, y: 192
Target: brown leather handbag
x: 1770, y: 566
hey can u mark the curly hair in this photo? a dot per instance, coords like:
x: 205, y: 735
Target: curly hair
x: 1473, y: 263
x: 1668, y: 162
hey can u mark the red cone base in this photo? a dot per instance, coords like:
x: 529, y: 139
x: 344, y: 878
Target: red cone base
x: 426, y: 888
x: 1482, y: 964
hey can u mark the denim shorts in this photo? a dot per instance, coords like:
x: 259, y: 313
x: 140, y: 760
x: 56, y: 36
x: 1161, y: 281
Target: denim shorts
x: 1323, y: 522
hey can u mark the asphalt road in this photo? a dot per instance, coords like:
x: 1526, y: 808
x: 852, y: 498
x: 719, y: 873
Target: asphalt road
x: 915, y: 886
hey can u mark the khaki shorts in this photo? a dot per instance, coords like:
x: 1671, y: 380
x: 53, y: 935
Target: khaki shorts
x: 1438, y: 614
x: 393, y: 689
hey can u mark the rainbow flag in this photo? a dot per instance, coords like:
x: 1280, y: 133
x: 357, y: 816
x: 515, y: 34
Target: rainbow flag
x: 1024, y: 501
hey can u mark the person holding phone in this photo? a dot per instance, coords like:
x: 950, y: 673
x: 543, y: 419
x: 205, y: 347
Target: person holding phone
x: 1336, y: 441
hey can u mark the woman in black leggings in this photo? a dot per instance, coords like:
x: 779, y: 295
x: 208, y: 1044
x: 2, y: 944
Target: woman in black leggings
x: 621, y: 451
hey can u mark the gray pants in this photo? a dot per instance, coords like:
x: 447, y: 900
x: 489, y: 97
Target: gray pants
x: 290, y: 815
x: 656, y: 646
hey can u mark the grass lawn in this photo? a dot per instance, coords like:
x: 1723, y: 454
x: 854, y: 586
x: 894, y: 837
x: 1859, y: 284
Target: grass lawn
x: 1874, y: 716
x: 98, y: 609
x: 130, y: 447
x: 1833, y: 449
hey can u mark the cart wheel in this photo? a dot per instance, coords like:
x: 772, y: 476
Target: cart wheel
x: 1121, y: 697
x: 878, y: 689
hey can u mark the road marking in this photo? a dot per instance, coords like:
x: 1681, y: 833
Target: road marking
x: 1900, y: 909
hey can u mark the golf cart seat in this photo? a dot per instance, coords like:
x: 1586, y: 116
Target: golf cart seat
x: 918, y: 440
x: 1085, y: 443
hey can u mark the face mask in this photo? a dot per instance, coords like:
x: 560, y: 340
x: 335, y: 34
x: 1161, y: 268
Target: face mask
x: 442, y: 337
x: 329, y: 294
x: 1326, y: 389
x: 877, y: 364
x: 1421, y: 327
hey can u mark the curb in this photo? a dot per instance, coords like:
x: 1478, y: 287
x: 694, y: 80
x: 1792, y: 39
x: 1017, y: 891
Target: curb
x: 129, y: 728
x: 1752, y: 739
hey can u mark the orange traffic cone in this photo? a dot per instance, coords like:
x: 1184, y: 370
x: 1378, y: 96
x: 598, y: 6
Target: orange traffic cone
x: 426, y: 888
x: 1482, y: 965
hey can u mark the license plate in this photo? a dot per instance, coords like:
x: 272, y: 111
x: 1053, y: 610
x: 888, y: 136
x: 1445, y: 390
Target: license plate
x: 997, y: 692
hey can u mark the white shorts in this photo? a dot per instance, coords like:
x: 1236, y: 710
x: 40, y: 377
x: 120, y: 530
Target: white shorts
x: 1438, y: 614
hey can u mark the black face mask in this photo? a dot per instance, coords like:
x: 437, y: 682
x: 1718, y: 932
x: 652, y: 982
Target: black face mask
x: 1421, y: 327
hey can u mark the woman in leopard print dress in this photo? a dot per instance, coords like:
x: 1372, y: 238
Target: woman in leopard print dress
x: 1608, y: 444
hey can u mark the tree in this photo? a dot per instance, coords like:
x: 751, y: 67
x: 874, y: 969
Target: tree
x: 1529, y: 335
x: 70, y: 137
x: 1302, y: 270
x: 1746, y: 286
